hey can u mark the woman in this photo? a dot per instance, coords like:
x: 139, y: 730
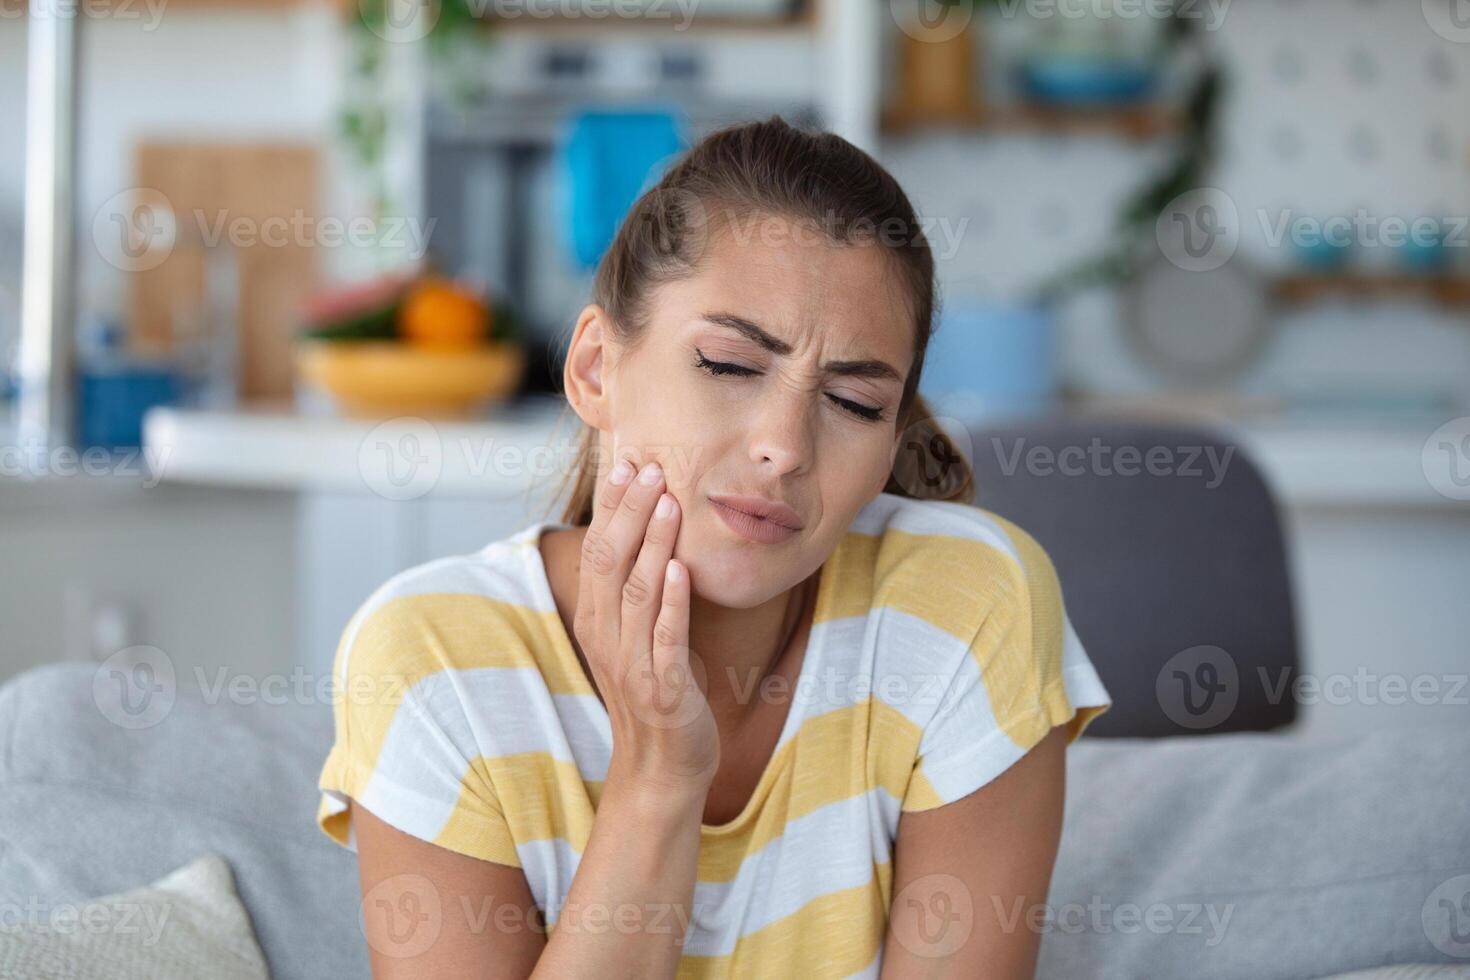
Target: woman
x: 865, y: 774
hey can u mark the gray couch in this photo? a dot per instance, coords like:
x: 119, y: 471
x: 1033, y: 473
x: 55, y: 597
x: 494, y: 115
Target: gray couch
x: 1251, y: 855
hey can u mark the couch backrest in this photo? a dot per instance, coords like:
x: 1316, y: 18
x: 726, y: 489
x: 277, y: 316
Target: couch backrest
x: 1172, y: 564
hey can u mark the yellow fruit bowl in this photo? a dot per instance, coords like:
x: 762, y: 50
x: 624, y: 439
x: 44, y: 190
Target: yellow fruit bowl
x: 382, y: 378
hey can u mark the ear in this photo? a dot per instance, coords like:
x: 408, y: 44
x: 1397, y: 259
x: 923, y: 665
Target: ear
x: 584, y: 372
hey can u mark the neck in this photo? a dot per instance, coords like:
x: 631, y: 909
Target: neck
x: 742, y: 648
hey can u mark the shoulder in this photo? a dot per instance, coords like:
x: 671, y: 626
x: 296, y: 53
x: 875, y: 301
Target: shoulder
x: 954, y: 564
x: 453, y: 613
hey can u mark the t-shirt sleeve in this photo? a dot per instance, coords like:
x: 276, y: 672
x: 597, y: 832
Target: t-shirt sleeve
x: 403, y: 748
x: 1026, y: 672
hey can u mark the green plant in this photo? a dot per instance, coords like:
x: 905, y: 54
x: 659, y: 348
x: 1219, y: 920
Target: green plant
x: 366, y: 118
x: 1194, y: 151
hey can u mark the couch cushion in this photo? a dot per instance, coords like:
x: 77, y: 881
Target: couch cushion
x: 1328, y: 854
x: 188, y: 925
x: 90, y: 807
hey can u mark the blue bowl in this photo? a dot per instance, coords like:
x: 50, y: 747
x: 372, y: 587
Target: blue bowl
x: 1087, y: 81
x: 1421, y: 252
x: 1323, y: 255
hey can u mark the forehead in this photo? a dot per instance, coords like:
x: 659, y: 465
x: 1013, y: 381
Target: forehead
x: 799, y: 284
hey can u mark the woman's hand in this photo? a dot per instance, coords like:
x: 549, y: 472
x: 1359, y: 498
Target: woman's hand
x: 632, y: 621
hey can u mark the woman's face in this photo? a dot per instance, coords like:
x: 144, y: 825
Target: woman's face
x: 787, y: 309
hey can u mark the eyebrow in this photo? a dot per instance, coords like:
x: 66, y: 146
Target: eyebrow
x: 881, y: 370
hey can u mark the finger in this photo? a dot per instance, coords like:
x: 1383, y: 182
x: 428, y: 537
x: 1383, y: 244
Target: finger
x: 610, y: 554
x: 643, y: 591
x: 674, y: 672
x: 671, y: 629
x: 598, y: 558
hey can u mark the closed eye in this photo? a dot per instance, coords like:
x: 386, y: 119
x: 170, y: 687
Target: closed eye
x: 868, y: 413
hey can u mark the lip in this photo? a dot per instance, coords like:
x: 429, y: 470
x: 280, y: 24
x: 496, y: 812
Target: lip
x: 770, y: 510
x: 750, y: 526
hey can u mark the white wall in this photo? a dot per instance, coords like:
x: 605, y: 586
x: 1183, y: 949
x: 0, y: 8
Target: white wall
x: 207, y: 576
x: 1307, y: 82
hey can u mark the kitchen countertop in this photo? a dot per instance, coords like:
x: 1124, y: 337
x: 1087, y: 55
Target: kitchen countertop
x: 1308, y: 463
x: 277, y: 448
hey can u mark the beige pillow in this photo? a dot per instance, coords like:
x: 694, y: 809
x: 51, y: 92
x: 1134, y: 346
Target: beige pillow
x: 188, y: 925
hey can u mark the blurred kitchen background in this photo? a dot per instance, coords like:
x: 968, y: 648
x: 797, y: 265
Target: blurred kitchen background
x: 296, y: 226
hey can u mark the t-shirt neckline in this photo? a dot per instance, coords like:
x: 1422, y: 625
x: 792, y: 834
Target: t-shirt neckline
x: 541, y: 585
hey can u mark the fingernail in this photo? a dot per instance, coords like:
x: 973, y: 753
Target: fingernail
x: 650, y: 475
x: 675, y: 572
x: 622, y: 473
x: 665, y: 506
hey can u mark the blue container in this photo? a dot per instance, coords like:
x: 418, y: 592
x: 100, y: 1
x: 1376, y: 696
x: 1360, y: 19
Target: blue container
x: 1063, y: 80
x: 1425, y: 252
x: 992, y: 360
x: 114, y: 399
x: 609, y: 157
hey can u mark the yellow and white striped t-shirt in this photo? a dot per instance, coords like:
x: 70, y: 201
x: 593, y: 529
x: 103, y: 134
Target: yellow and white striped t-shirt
x: 939, y: 654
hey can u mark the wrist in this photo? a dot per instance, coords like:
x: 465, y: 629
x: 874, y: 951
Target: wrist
x: 663, y: 794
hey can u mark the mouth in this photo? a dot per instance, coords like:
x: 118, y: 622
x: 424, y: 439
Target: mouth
x: 777, y: 523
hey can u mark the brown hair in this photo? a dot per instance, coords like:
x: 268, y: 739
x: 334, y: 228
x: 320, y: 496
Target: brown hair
x: 772, y: 168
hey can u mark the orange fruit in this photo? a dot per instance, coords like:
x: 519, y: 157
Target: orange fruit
x: 441, y: 313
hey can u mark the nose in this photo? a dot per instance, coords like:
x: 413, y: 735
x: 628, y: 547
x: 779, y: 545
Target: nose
x: 780, y: 434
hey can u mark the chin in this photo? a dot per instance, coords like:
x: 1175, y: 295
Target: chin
x: 732, y: 575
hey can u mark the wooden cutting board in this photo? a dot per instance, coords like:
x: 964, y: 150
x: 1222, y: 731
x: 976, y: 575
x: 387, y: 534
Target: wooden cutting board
x: 262, y: 199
